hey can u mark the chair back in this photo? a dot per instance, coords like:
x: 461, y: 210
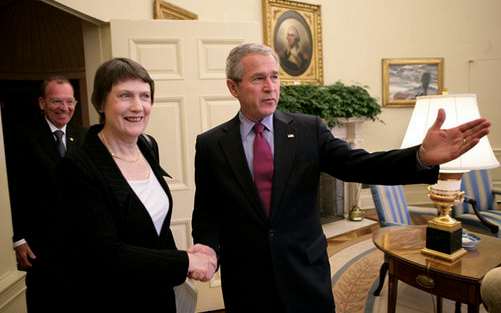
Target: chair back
x: 391, y: 206
x: 477, y: 185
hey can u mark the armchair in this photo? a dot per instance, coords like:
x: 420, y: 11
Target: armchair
x: 392, y: 210
x: 479, y: 210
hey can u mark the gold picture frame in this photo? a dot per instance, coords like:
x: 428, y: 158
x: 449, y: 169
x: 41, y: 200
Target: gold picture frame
x: 405, y: 79
x: 163, y: 10
x: 288, y: 23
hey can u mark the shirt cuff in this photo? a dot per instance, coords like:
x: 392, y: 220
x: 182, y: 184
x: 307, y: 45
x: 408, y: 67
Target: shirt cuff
x: 420, y: 166
x: 19, y: 242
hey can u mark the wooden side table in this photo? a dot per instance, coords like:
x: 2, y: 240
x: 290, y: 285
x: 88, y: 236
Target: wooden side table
x: 458, y: 281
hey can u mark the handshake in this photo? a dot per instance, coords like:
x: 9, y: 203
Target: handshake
x: 203, y: 262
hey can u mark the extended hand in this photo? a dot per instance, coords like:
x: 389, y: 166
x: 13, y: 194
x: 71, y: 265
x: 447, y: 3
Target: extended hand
x: 203, y: 262
x: 444, y: 145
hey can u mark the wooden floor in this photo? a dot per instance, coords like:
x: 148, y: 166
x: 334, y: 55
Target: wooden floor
x: 342, y: 241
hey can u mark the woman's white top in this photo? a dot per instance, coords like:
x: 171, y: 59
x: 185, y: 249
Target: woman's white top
x: 153, y: 197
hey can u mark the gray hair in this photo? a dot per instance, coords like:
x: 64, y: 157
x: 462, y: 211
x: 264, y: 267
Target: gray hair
x: 234, y: 70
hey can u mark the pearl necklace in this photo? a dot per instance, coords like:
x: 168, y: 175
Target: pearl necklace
x: 117, y: 156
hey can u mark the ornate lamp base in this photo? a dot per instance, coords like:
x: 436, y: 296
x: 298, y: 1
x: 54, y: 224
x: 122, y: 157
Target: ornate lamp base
x: 444, y: 234
x: 444, y: 244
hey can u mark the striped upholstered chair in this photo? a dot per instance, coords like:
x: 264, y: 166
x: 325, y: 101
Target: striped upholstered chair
x: 479, y: 211
x: 392, y: 210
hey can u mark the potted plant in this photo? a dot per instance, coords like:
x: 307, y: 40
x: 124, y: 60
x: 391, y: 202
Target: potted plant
x: 333, y: 103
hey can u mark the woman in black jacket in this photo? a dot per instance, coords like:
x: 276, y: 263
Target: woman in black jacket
x: 118, y: 206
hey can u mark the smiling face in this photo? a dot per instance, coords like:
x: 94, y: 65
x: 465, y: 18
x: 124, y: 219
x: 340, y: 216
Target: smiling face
x: 259, y: 88
x: 127, y: 108
x: 57, y: 112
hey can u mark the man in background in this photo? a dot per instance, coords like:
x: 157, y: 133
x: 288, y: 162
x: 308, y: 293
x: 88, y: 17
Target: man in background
x: 35, y: 203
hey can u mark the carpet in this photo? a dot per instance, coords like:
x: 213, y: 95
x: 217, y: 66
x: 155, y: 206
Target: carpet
x: 355, y: 276
x: 355, y: 273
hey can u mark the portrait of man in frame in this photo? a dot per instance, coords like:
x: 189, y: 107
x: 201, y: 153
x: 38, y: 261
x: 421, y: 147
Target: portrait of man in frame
x: 294, y: 30
x: 293, y: 43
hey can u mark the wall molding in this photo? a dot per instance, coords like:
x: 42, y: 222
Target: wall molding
x: 13, y: 292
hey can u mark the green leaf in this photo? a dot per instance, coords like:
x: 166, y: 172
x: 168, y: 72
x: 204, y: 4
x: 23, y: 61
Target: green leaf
x: 330, y: 102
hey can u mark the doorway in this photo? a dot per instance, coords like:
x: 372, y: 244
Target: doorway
x: 38, y: 41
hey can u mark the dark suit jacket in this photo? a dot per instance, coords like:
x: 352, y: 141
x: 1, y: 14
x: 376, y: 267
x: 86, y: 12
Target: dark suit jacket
x: 284, y: 256
x: 121, y: 263
x: 36, y: 205
x: 35, y: 201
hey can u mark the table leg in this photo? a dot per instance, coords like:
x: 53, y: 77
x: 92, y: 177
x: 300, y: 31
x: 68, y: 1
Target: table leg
x: 439, y: 304
x: 392, y: 293
x: 473, y: 308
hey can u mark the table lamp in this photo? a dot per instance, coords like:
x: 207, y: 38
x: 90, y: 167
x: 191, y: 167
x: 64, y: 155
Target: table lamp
x: 444, y: 233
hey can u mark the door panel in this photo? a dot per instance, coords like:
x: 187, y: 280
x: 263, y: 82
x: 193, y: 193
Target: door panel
x: 187, y: 61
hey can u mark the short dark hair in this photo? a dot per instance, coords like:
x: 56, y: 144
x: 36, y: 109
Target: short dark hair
x: 113, y: 72
x: 60, y: 79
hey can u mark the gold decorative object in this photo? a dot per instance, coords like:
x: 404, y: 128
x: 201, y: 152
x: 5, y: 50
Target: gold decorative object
x: 163, y: 10
x: 445, y: 194
x: 356, y: 214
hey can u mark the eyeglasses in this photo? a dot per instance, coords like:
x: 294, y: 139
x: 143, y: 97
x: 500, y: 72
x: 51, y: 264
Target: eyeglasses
x: 59, y: 102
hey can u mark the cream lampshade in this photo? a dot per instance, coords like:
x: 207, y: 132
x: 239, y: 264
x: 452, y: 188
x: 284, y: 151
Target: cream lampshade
x: 459, y: 109
x: 443, y: 235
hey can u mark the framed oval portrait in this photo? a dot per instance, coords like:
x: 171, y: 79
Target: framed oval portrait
x: 293, y: 43
x: 294, y: 31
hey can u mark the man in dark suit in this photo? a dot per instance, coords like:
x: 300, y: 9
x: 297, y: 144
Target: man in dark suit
x: 35, y: 203
x: 268, y: 236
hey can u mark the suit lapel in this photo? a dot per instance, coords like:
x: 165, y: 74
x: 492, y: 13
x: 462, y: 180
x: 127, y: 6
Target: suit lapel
x: 285, y: 148
x: 231, y: 145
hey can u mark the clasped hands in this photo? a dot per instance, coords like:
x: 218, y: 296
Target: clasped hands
x: 203, y: 262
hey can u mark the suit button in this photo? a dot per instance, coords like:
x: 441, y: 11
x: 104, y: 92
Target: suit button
x: 272, y: 233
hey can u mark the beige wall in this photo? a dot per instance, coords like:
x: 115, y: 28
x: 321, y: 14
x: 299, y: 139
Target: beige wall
x: 358, y: 34
x: 12, y: 281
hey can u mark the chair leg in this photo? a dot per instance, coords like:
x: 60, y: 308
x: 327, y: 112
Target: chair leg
x: 458, y: 307
x: 382, y: 275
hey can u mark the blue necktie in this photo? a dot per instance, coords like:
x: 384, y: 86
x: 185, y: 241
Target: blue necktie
x: 59, y: 142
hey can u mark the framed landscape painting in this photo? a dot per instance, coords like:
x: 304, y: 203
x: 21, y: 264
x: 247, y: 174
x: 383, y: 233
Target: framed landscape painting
x: 406, y: 79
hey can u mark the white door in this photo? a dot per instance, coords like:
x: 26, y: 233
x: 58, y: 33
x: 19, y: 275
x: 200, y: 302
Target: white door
x: 488, y: 102
x: 187, y: 61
